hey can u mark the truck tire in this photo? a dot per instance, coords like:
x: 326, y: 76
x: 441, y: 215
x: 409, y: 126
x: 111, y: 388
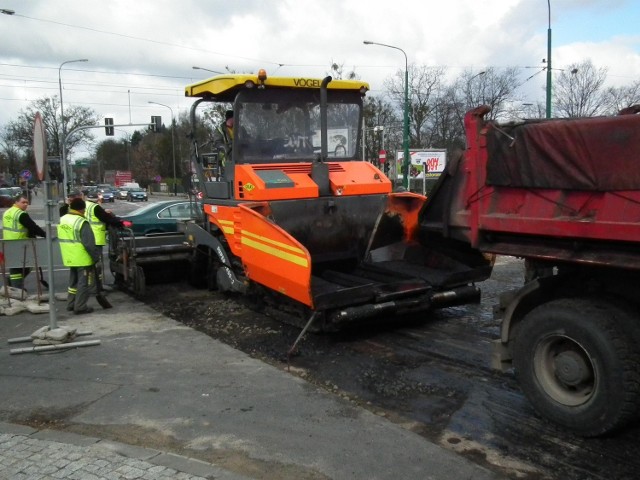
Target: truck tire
x: 578, y: 366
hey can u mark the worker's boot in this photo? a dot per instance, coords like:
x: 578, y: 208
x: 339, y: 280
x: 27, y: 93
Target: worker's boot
x: 18, y: 282
x: 71, y: 301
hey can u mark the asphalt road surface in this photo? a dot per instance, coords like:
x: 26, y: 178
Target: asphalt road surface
x: 430, y: 374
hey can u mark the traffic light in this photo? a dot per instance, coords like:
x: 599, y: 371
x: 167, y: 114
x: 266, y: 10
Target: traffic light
x: 55, y: 172
x: 108, y: 130
x: 156, y: 123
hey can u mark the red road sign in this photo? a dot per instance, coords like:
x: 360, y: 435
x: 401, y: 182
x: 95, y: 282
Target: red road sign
x: 39, y: 147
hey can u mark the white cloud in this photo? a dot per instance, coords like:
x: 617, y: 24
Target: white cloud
x: 161, y: 40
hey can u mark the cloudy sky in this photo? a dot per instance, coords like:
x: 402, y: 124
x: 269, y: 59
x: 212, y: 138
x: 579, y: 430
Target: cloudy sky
x: 141, y: 51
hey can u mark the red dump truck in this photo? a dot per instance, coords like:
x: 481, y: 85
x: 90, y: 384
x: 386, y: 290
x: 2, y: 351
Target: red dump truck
x: 563, y: 194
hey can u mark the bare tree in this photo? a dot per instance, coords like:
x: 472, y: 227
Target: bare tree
x: 9, y: 155
x: 447, y: 130
x: 20, y: 131
x: 493, y: 87
x: 380, y: 113
x: 623, y: 97
x: 578, y: 91
x: 424, y: 84
x: 145, y: 160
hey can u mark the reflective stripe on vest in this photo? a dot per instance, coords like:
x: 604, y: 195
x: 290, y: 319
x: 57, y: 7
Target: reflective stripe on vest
x: 12, y: 229
x: 99, y: 228
x: 73, y: 252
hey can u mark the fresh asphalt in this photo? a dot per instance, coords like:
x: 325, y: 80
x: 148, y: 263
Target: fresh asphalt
x: 184, y: 405
x: 152, y: 374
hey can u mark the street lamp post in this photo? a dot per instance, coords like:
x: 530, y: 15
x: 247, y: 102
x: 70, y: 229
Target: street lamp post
x: 470, y: 93
x: 63, y: 154
x: 173, y: 147
x: 128, y: 145
x: 549, y: 62
x: 207, y: 70
x: 405, y: 135
x: 474, y: 76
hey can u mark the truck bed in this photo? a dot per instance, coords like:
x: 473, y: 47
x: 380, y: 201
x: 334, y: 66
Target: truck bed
x: 563, y: 190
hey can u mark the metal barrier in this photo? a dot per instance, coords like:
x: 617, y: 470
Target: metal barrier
x: 29, y: 252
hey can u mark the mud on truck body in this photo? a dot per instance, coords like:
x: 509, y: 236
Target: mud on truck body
x: 563, y: 194
x: 295, y: 220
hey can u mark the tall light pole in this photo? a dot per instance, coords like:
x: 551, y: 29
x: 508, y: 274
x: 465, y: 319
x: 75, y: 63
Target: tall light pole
x: 128, y: 145
x: 549, y: 62
x: 64, y: 127
x: 476, y: 75
x: 173, y: 148
x: 469, y: 88
x: 207, y: 70
x: 406, y: 162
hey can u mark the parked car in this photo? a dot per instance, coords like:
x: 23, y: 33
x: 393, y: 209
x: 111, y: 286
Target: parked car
x: 134, y: 194
x: 108, y: 195
x: 7, y: 197
x: 161, y: 217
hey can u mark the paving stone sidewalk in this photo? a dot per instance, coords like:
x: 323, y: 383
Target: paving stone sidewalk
x: 29, y: 454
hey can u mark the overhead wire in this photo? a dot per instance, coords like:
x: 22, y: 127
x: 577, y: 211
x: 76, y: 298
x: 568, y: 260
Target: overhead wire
x: 133, y: 37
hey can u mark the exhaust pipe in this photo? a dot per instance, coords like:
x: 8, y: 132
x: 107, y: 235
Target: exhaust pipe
x: 319, y: 169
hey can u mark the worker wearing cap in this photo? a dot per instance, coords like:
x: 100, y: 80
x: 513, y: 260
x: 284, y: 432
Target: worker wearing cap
x: 79, y: 253
x: 18, y: 225
x: 98, y: 219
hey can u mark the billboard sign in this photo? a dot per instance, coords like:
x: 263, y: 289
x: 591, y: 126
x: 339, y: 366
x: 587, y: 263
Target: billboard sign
x: 425, y: 164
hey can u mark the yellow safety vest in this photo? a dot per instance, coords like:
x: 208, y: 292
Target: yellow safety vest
x: 12, y: 229
x: 73, y: 252
x: 99, y: 227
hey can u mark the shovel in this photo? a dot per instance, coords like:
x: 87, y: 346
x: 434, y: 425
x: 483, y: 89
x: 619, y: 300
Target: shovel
x: 44, y: 283
x: 102, y: 300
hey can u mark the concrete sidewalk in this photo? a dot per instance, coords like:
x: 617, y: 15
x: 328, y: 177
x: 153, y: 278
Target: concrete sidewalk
x: 157, y: 398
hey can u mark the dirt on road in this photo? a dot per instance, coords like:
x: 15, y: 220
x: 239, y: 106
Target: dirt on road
x: 431, y: 374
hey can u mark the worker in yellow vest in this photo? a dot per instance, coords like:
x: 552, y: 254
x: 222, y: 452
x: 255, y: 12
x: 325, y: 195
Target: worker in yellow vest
x: 98, y: 219
x: 17, y: 225
x: 79, y: 253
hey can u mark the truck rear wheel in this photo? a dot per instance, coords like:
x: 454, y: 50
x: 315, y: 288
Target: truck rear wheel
x: 578, y: 366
